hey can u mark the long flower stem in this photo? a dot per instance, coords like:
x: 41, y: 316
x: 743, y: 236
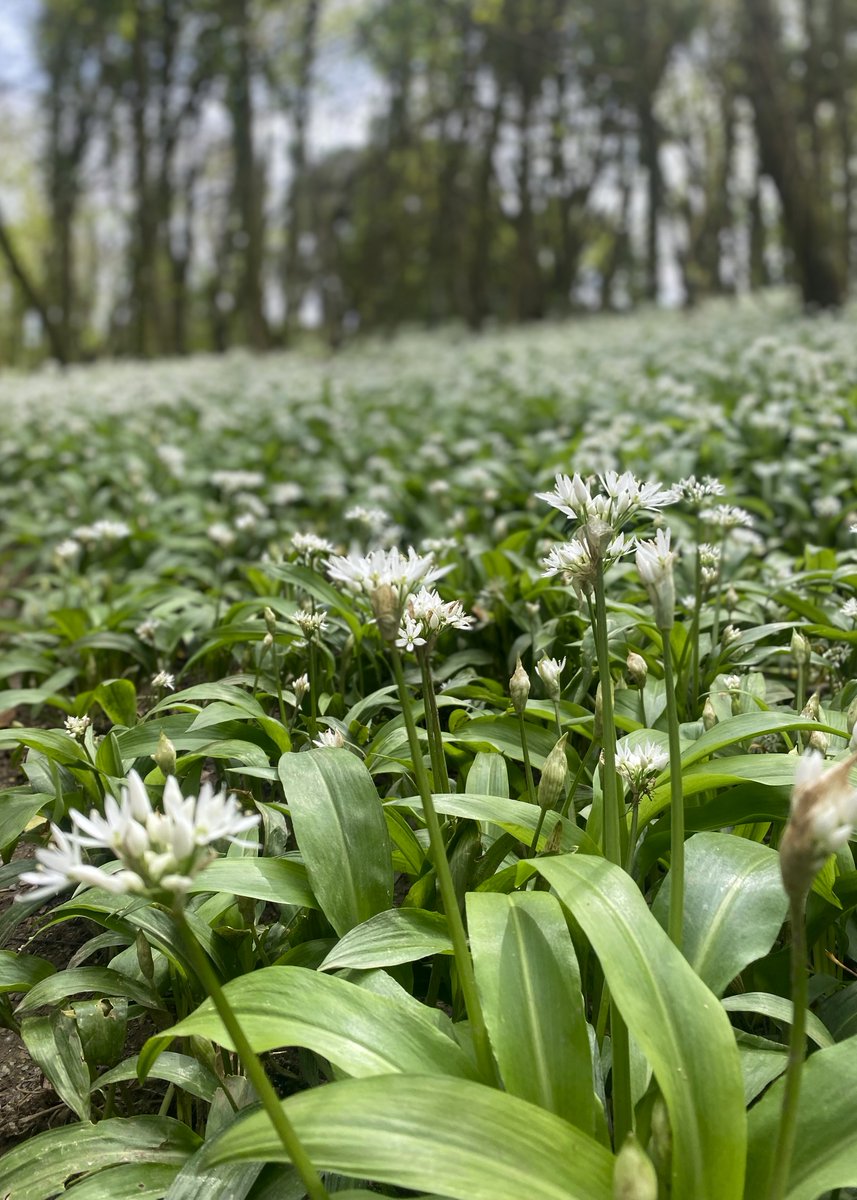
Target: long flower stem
x: 435, y: 736
x: 271, y: 1102
x: 609, y: 799
x: 528, y: 769
x: 797, y: 1052
x: 463, y: 961
x: 676, y: 913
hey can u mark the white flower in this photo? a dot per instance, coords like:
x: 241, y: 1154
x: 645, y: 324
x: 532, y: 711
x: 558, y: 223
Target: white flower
x: 221, y: 535
x: 655, y: 565
x: 164, y: 680
x: 577, y: 562
x: 329, y: 739
x: 849, y: 609
x: 827, y: 506
x: 410, y: 633
x: 104, y: 530
x: 146, y: 631
x: 300, y: 687
x: 308, y: 545
x: 638, y: 765
x: 237, y: 481
x: 363, y: 574
x: 311, y: 624
x: 693, y: 491
x: 549, y: 671
x: 727, y: 516
x: 623, y: 496
x: 77, y: 726
x: 158, y: 851
x: 67, y: 549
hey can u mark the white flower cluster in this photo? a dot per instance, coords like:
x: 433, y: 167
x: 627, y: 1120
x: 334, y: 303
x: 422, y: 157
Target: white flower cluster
x: 727, y: 516
x: 822, y: 818
x: 77, y: 726
x: 159, y: 851
x: 308, y: 545
x: 549, y: 671
x: 311, y: 624
x: 364, y: 574
x: 639, y: 765
x: 105, y: 530
x: 693, y: 491
x: 426, y: 615
x: 599, y: 518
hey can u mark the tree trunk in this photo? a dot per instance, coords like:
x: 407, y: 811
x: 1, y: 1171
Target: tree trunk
x: 813, y: 241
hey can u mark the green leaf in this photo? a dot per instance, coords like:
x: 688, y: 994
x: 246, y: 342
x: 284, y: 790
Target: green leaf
x: 341, y: 833
x: 515, y: 816
x: 746, y: 727
x: 778, y: 1008
x: 529, y: 983
x: 398, y: 935
x: 102, y: 1026
x: 180, y: 1069
x: 39, y: 1167
x: 734, y: 905
x: 20, y: 972
x: 450, y: 1137
x: 359, y: 1031
x: 488, y: 775
x: 149, y: 1181
x: 679, y: 1024
x: 276, y: 880
x: 16, y: 812
x: 118, y: 698
x: 88, y: 979
x: 54, y: 1044
x: 825, y: 1154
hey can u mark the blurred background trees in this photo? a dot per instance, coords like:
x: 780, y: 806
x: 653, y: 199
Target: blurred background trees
x: 518, y: 159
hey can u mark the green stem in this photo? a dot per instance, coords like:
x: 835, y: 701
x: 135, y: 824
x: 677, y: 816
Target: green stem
x: 676, y: 913
x: 279, y: 684
x: 558, y: 721
x: 528, y: 769
x: 435, y: 737
x: 632, y: 834
x: 609, y: 798
x: 463, y: 961
x: 715, y: 624
x: 572, y: 791
x: 797, y: 1052
x: 315, y: 1189
x: 623, y: 1109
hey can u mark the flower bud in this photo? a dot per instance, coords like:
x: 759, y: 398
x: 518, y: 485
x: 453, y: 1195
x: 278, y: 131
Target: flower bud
x: 388, y: 611
x: 709, y: 715
x: 270, y: 619
x: 519, y: 688
x: 300, y: 687
x: 661, y: 1143
x: 800, y: 648
x: 818, y: 740
x: 634, y: 1175
x: 731, y: 597
x: 165, y: 755
x: 267, y: 641
x: 549, y: 671
x: 637, y: 668
x: 812, y: 709
x: 554, y: 776
x: 822, y: 817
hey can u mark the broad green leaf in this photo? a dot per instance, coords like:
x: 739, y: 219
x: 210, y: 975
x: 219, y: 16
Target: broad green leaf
x: 20, y: 972
x: 16, y: 812
x: 769, y: 770
x: 450, y: 1137
x: 39, y: 1167
x: 762, y: 1062
x: 488, y: 775
x: 398, y: 935
x: 529, y: 983
x: 150, y: 1181
x: 88, y: 979
x: 778, y: 1008
x: 679, y: 1024
x: 118, y: 698
x: 825, y: 1154
x: 503, y: 735
x: 734, y: 905
x: 341, y: 833
x: 54, y: 1044
x: 745, y: 727
x: 358, y: 1031
x: 276, y: 880
x: 515, y: 816
x: 101, y: 1025
x: 179, y: 1069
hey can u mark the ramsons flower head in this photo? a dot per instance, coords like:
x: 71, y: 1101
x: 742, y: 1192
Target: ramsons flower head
x: 577, y: 562
x: 639, y: 765
x: 385, y: 578
x: 160, y: 851
x: 621, y: 497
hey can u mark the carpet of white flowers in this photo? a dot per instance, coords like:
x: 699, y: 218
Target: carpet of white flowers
x: 195, y: 560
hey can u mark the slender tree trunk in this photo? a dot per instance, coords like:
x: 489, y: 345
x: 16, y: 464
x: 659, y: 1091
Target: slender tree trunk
x: 650, y: 156
x: 813, y: 241
x: 248, y: 186
x: 481, y: 239
x: 300, y: 117
x: 33, y: 296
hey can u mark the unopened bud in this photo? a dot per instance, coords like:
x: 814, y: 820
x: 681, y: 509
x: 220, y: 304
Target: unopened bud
x: 709, y: 715
x: 549, y: 671
x: 554, y: 776
x: 800, y: 648
x: 268, y: 641
x: 388, y: 611
x: 812, y: 709
x: 634, y: 1175
x: 519, y: 688
x: 731, y: 597
x: 300, y: 687
x: 823, y: 812
x: 818, y: 740
x: 729, y: 634
x: 637, y: 668
x: 270, y: 619
x: 165, y: 755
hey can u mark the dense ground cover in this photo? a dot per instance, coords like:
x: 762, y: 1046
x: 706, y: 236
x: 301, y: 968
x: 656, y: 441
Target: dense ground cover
x: 176, y: 604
